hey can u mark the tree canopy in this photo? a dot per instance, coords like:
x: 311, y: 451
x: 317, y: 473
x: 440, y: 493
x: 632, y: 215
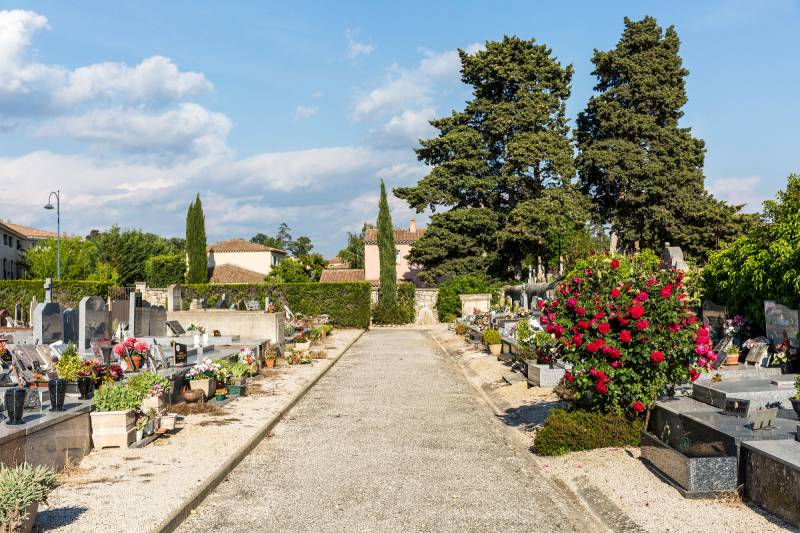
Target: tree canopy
x: 126, y: 251
x: 353, y: 253
x: 305, y: 269
x: 196, y: 243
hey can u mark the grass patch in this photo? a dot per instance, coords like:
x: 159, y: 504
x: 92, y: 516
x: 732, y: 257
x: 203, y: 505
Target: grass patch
x: 571, y: 431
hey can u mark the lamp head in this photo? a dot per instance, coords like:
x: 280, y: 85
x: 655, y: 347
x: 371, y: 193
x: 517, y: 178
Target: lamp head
x: 48, y: 206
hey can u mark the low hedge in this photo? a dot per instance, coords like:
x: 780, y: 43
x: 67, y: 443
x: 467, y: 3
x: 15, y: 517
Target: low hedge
x: 576, y: 430
x: 67, y: 293
x: 347, y: 304
x: 165, y: 270
x: 448, y: 301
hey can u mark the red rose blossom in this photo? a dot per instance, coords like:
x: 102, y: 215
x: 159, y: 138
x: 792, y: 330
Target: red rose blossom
x: 568, y: 376
x: 615, y: 263
x: 656, y: 357
x: 577, y: 339
x: 580, y: 311
x: 615, y: 293
x: 601, y: 387
x: 666, y: 292
x: 642, y: 296
x: 642, y: 325
x: 637, y: 406
x: 603, y: 327
x: 636, y: 311
x: 625, y: 336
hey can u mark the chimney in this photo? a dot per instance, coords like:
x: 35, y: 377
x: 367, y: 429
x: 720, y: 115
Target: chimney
x: 412, y: 226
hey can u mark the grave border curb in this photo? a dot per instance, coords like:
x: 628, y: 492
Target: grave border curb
x: 177, y: 516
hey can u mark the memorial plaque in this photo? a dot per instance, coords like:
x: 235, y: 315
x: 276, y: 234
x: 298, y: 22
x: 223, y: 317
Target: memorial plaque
x: 764, y: 418
x: 736, y: 407
x: 175, y: 327
x: 181, y: 353
x: 758, y: 354
x: 253, y: 305
x: 94, y: 322
x: 48, y: 323
x: 158, y: 356
x: 714, y: 315
x: 721, y: 349
x: 779, y: 319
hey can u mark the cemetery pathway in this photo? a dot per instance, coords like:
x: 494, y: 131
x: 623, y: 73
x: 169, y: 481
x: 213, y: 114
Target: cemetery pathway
x: 392, y: 438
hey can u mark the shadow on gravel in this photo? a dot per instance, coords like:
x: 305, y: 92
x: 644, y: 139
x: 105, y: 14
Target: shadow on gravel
x: 531, y: 416
x: 58, y: 517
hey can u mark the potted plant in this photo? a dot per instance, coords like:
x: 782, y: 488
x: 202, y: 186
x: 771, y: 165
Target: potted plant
x: 545, y: 346
x: 203, y: 377
x: 796, y: 399
x: 460, y: 329
x: 195, y: 332
x: 491, y: 337
x: 153, y: 387
x: 39, y: 380
x: 732, y: 355
x: 113, y: 416
x: 220, y: 394
x: 301, y: 343
x: 69, y: 367
x: 23, y: 488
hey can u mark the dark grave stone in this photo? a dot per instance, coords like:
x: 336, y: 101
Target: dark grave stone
x: 48, y: 323
x: 736, y: 407
x: 721, y: 349
x: 780, y: 319
x: 120, y: 311
x: 714, y: 315
x: 181, y: 352
x: 71, y: 319
x: 158, y: 320
x: 175, y: 327
x: 772, y: 477
x: 94, y: 321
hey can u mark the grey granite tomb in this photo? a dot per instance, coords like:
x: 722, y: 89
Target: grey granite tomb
x: 71, y: 320
x: 94, y: 322
x: 48, y: 323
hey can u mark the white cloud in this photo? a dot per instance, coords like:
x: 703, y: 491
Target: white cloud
x: 745, y: 190
x: 356, y: 49
x: 407, y: 128
x: 28, y: 87
x: 410, y: 87
x: 189, y: 128
x: 305, y: 111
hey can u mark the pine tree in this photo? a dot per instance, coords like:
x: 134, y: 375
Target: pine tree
x: 387, y: 292
x: 509, y: 144
x: 643, y: 171
x: 196, y: 243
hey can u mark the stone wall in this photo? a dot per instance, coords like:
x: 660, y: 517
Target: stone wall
x: 425, y: 306
x: 152, y: 295
x: 248, y: 324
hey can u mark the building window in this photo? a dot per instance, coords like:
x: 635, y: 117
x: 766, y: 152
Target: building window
x: 397, y: 257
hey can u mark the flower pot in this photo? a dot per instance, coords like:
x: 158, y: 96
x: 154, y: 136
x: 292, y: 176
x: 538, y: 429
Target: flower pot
x: 796, y: 405
x: 495, y: 349
x: 302, y: 346
x: 235, y: 390
x: 58, y: 390
x: 112, y: 428
x: 270, y: 363
x: 15, y: 403
x: 732, y: 359
x: 137, y: 362
x: 196, y: 340
x: 85, y: 385
x: 192, y: 395
x: 159, y: 403
x: 208, y: 386
x: 106, y: 350
x: 167, y: 422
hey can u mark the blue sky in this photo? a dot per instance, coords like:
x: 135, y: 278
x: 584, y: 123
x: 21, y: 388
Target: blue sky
x: 293, y: 111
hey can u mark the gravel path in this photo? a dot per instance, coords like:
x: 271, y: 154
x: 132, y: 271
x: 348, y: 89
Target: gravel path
x: 392, y: 438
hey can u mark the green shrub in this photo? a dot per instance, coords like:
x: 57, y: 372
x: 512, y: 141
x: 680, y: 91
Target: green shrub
x: 388, y: 314
x: 491, y: 336
x: 347, y: 304
x: 70, y: 364
x: 572, y: 431
x: 67, y: 293
x: 448, y: 303
x: 117, y: 398
x: 165, y: 270
x: 142, y: 383
x: 406, y: 301
x: 20, y: 486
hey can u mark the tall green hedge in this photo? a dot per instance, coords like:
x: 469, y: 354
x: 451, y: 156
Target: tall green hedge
x: 448, y: 301
x: 165, y: 270
x: 67, y: 293
x: 348, y: 304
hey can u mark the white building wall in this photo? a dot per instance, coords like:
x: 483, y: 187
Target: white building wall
x: 11, y: 256
x: 260, y: 262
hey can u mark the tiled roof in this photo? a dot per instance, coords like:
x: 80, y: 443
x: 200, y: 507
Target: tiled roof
x: 401, y: 235
x: 342, y: 275
x: 228, y: 273
x: 30, y: 233
x: 241, y: 245
x: 338, y: 263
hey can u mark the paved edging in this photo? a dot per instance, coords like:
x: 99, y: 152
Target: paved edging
x: 210, y: 483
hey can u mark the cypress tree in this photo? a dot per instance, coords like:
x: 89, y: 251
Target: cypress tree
x: 387, y: 293
x: 643, y: 171
x: 196, y: 243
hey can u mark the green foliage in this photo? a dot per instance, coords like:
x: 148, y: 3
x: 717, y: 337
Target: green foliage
x: 165, y: 270
x: 491, y: 336
x: 643, y: 171
x: 105, y: 272
x: 764, y: 265
x: 196, y: 243
x: 348, y: 304
x: 300, y: 247
x: 353, y: 253
x: 572, y: 431
x: 388, y: 314
x: 127, y: 251
x: 78, y: 259
x: 142, y: 382
x: 70, y: 364
x: 509, y: 144
x: 117, y: 398
x: 304, y: 269
x: 266, y: 240
x: 448, y: 303
x: 68, y: 293
x: 387, y: 253
x: 21, y: 486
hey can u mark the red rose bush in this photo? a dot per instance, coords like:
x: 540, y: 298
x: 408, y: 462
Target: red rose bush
x: 628, y: 331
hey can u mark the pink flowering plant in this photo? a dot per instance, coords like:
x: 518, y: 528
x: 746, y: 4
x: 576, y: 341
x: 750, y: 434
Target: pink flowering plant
x: 627, y: 328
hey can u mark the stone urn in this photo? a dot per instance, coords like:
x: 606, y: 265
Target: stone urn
x: 58, y: 390
x: 85, y: 386
x: 796, y: 405
x: 15, y: 404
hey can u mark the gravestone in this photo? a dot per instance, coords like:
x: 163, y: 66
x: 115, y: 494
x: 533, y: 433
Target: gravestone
x: 48, y: 290
x: 48, y: 323
x: 158, y: 321
x: 18, y: 313
x: 714, y: 315
x: 758, y: 354
x: 94, y: 322
x: 672, y: 257
x: 174, y: 298
x: 195, y: 304
x: 181, y: 353
x: 736, y: 407
x: 253, y: 305
x: 31, y: 309
x: 780, y: 319
x: 71, y: 320
x: 120, y: 310
x: 764, y: 418
x: 175, y: 327
x: 721, y: 349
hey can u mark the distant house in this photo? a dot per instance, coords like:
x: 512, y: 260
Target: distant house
x: 17, y: 239
x: 342, y: 275
x: 403, y: 239
x: 337, y: 263
x: 241, y: 261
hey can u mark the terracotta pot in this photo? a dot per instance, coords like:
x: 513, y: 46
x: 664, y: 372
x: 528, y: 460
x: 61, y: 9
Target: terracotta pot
x: 137, y: 362
x: 192, y: 395
x: 495, y: 349
x: 270, y: 363
x: 732, y: 359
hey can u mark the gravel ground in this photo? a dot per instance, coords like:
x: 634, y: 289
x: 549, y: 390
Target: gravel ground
x: 612, y: 482
x: 135, y: 489
x: 392, y: 438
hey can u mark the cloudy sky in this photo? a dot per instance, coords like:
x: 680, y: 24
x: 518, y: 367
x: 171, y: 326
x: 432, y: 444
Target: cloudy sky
x: 288, y: 112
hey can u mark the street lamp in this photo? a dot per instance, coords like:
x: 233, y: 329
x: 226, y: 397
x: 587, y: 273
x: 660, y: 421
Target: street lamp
x: 58, y: 228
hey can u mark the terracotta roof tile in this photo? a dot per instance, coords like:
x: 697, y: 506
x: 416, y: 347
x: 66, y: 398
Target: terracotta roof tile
x: 401, y: 235
x: 228, y: 273
x: 342, y: 275
x: 241, y: 245
x: 30, y: 233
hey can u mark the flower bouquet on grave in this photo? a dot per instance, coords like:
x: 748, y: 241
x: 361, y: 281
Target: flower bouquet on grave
x: 39, y: 380
x: 203, y: 376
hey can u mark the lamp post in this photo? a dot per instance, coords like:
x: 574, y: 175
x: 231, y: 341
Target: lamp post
x: 58, y: 228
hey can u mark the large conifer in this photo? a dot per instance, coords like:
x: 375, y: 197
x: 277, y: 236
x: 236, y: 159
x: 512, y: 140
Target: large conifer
x: 643, y: 171
x: 196, y: 243
x: 387, y: 253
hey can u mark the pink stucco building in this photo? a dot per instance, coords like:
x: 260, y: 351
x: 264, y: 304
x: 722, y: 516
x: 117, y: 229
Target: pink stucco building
x: 403, y: 239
